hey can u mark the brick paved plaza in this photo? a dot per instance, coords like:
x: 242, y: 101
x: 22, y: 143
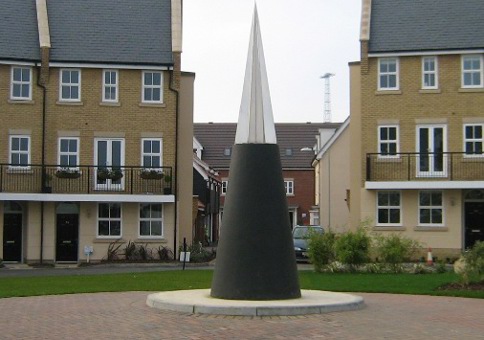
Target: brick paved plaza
x: 126, y: 316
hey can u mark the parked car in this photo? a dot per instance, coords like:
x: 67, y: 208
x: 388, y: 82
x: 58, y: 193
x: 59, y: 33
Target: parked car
x: 300, y: 236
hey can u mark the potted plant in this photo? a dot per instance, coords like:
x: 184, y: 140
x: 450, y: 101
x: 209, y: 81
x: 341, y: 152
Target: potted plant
x: 67, y: 173
x: 167, y: 187
x: 151, y: 174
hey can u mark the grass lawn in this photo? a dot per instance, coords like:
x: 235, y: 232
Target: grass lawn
x: 426, y: 284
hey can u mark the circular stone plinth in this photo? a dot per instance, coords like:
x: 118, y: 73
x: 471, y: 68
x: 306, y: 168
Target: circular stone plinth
x: 200, y: 301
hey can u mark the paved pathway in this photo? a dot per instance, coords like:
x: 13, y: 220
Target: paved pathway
x: 126, y: 316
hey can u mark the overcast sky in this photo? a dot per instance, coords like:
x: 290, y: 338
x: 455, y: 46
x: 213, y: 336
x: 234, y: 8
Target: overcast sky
x: 302, y: 39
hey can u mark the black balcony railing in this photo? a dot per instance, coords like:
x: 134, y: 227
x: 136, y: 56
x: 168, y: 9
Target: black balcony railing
x: 449, y: 166
x: 85, y: 179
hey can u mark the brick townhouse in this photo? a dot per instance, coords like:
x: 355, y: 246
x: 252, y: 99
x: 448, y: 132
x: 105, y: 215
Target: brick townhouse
x: 417, y: 122
x: 92, y: 104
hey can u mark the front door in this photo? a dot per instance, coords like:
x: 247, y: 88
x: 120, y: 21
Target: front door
x: 12, y: 237
x: 474, y: 223
x: 431, y: 146
x: 67, y: 237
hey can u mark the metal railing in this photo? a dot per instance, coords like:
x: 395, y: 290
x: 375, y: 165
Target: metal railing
x: 85, y: 179
x: 443, y: 166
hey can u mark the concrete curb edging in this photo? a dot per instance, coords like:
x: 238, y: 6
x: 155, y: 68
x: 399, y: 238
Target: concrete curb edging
x: 199, y: 301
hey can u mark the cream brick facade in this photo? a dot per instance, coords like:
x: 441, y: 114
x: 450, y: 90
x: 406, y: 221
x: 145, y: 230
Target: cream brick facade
x: 34, y: 213
x: 409, y: 107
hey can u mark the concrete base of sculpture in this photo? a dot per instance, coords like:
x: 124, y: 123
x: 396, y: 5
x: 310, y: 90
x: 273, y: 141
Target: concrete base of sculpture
x: 199, y: 301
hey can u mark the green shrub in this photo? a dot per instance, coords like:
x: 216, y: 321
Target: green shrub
x: 395, y: 249
x: 164, y: 253
x: 130, y: 251
x: 473, y: 268
x: 198, y: 253
x: 144, y: 253
x: 113, y: 250
x: 353, y: 248
x: 321, y: 249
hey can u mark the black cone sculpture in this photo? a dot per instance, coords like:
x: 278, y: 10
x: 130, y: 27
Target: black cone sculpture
x: 255, y: 254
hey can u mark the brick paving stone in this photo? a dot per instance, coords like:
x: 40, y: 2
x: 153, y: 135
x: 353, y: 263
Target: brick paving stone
x: 126, y: 316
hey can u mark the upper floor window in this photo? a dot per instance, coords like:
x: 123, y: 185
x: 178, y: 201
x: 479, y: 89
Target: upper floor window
x: 429, y: 73
x: 472, y: 71
x: 20, y: 151
x: 289, y: 187
x: 68, y: 152
x: 227, y: 151
x: 110, y: 86
x: 109, y: 219
x: 388, y: 208
x: 21, y: 88
x: 431, y: 208
x: 70, y: 85
x: 388, y: 140
x: 152, y: 87
x: 388, y: 74
x: 150, y: 220
x: 225, y: 185
x: 473, y: 139
x: 151, y: 153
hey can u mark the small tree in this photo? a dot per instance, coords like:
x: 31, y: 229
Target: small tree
x: 395, y: 249
x: 353, y: 248
x: 321, y: 249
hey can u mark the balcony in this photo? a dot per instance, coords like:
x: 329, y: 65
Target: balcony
x: 457, y: 167
x: 52, y: 179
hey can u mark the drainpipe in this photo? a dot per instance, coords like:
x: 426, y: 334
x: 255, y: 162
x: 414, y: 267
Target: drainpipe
x: 41, y: 84
x: 174, y: 89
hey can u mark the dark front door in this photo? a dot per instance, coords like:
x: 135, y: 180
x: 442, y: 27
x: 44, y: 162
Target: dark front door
x: 12, y: 237
x: 67, y: 237
x: 474, y: 223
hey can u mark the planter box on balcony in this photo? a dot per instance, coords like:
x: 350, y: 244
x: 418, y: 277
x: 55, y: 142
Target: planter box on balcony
x: 70, y: 174
x: 113, y: 175
x: 153, y: 174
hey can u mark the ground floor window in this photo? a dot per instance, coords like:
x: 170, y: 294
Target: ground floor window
x: 109, y: 219
x: 389, y: 208
x: 431, y: 207
x: 151, y: 219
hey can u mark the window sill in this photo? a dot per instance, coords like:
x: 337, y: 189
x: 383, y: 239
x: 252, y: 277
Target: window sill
x: 59, y: 102
x: 389, y: 159
x: 471, y: 89
x: 430, y: 91
x: 151, y: 104
x: 148, y: 239
x: 109, y: 104
x: 21, y: 101
x: 388, y: 228
x: 387, y: 92
x: 109, y: 240
x: 429, y: 228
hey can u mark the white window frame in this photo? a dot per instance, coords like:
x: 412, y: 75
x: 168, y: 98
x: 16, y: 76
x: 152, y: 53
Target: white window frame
x: 68, y: 153
x: 114, y: 219
x: 389, y: 141
x: 109, y: 184
x: 431, y: 172
x: 431, y: 207
x: 473, y: 140
x: 389, y: 207
x: 472, y: 71
x: 20, y: 83
x: 388, y: 74
x: 289, y: 186
x: 151, y: 86
x: 152, y: 154
x: 110, y: 85
x: 224, y: 187
x: 150, y: 219
x: 70, y: 85
x: 20, y: 152
x: 435, y: 72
